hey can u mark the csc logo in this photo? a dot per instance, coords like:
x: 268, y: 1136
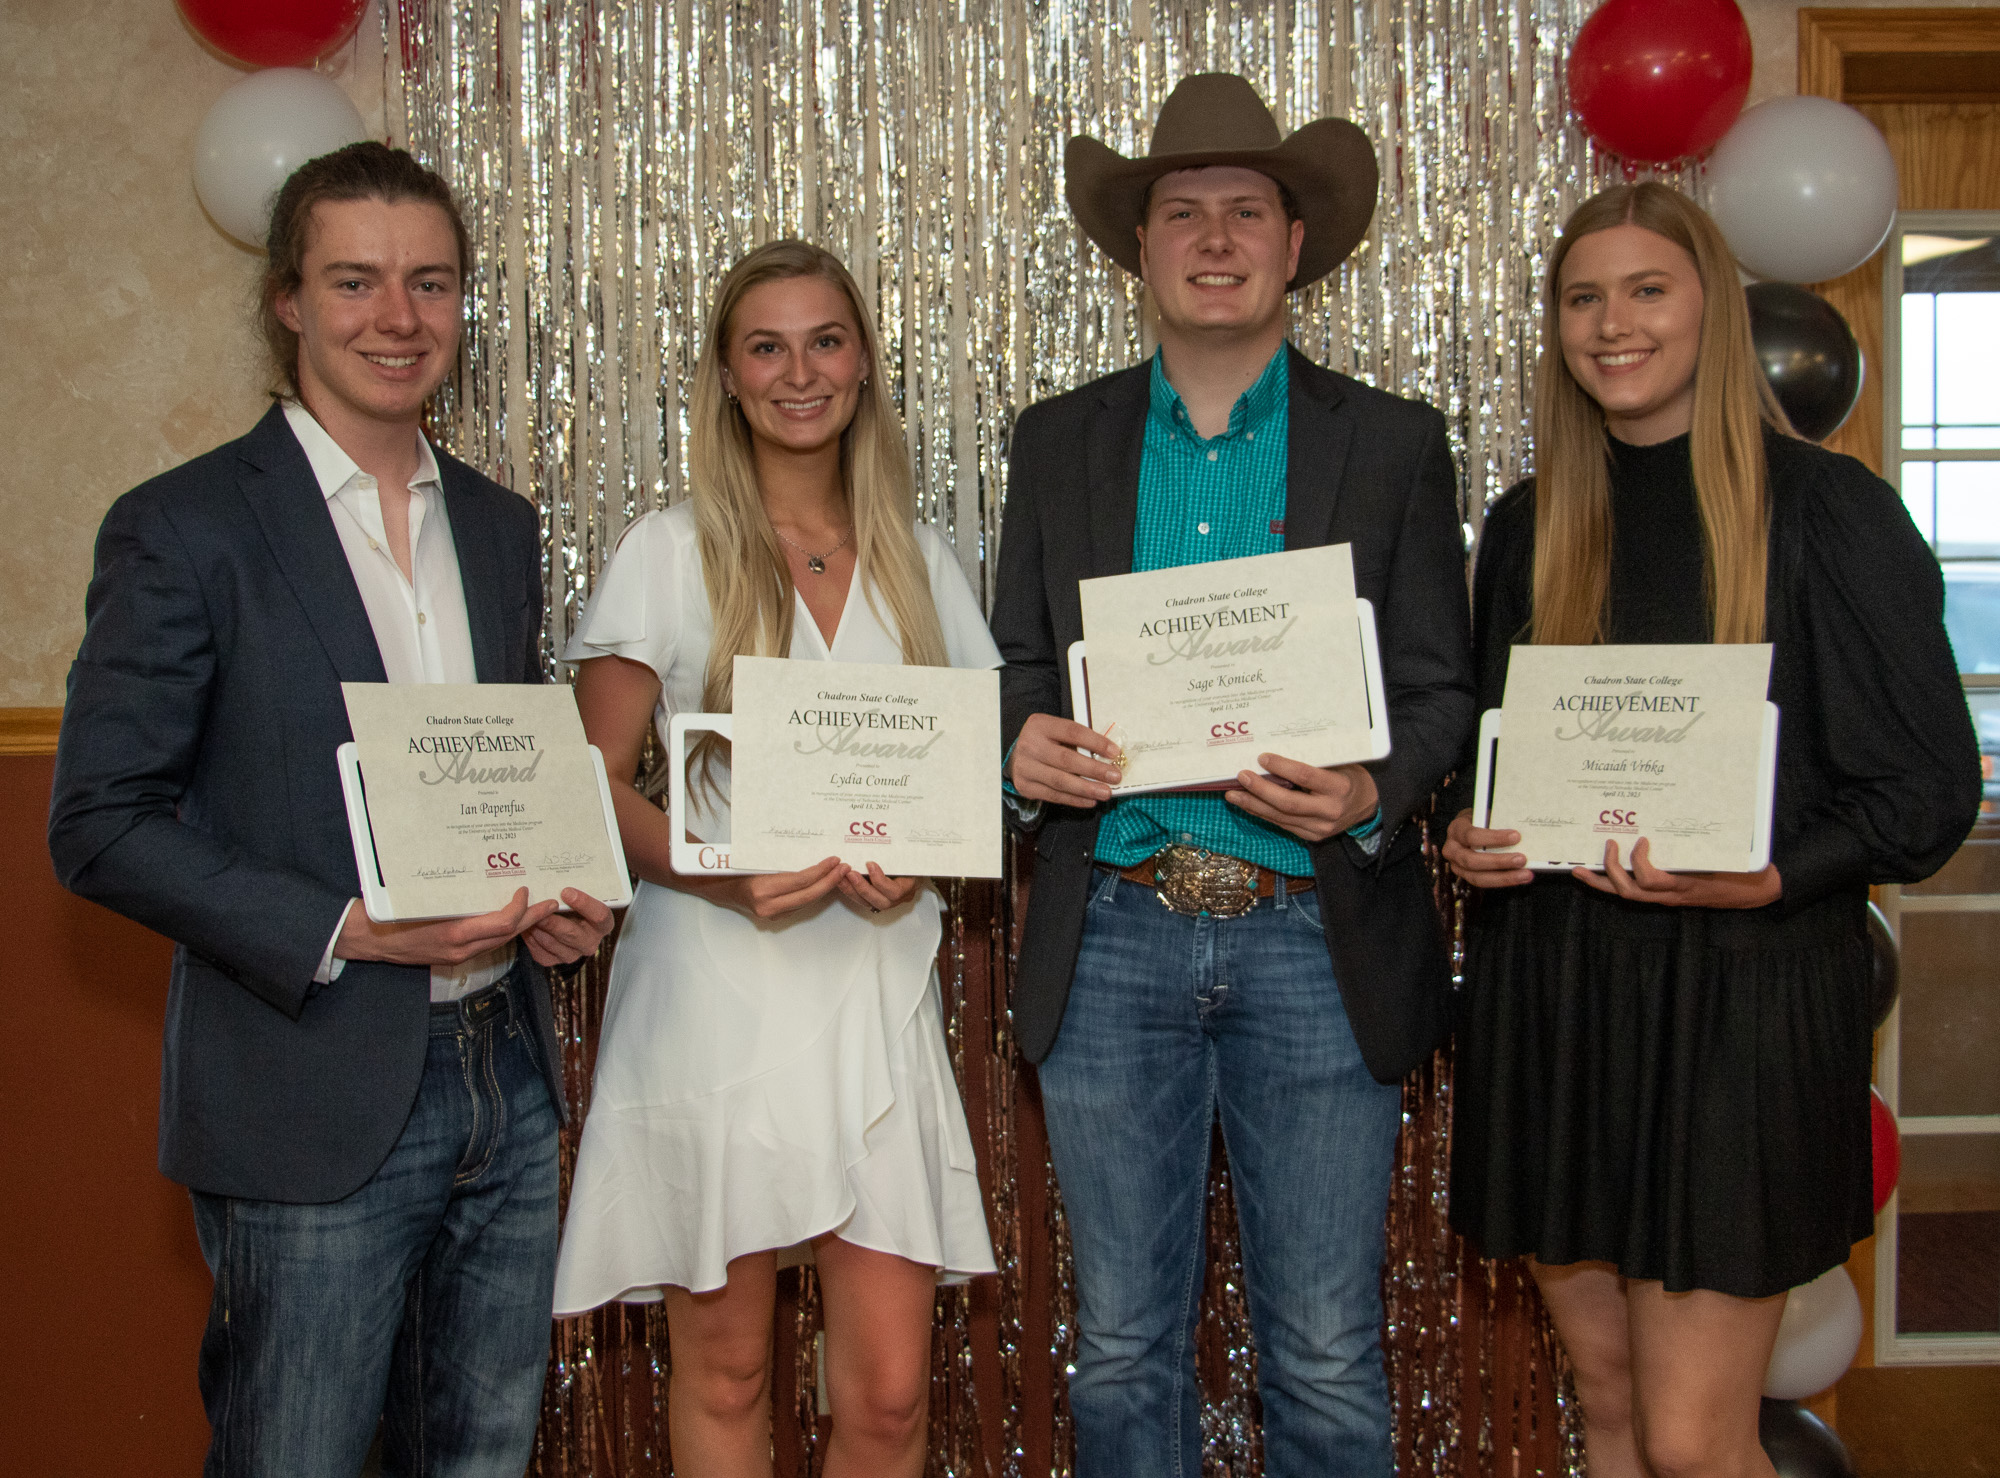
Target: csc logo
x: 503, y: 862
x: 1235, y: 728
x: 869, y: 830
x: 1617, y: 818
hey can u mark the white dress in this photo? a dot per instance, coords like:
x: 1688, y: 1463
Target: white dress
x: 761, y: 1083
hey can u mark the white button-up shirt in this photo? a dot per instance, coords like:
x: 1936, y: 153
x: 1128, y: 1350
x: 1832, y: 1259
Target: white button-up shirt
x: 420, y: 624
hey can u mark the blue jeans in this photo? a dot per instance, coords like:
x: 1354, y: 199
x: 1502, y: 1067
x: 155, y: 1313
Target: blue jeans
x: 1172, y: 1020
x: 420, y: 1302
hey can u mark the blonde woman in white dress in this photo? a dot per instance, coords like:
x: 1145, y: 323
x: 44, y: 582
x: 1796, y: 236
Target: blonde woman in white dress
x: 772, y: 1075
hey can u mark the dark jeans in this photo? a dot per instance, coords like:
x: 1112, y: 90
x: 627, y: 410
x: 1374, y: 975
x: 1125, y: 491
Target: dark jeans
x: 1171, y: 1021
x: 420, y: 1302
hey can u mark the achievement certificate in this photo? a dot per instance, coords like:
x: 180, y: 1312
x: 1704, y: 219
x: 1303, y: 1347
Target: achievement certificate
x: 894, y: 765
x: 1594, y: 744
x: 1197, y: 670
x: 458, y: 794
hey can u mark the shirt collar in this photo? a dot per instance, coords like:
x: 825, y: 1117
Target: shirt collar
x: 1253, y: 407
x: 334, y: 469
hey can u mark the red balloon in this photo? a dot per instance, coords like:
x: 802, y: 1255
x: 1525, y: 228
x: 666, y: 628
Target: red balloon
x: 273, y: 33
x: 1659, y: 80
x: 1888, y: 1148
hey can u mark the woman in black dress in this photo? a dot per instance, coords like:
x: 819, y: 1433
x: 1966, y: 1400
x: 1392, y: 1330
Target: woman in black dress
x: 1663, y: 1077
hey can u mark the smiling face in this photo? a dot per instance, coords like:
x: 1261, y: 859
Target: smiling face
x: 796, y: 362
x: 377, y: 309
x: 1217, y: 251
x: 1630, y: 308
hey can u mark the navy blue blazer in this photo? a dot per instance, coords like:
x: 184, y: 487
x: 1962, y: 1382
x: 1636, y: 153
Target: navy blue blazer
x: 1362, y: 468
x: 196, y: 792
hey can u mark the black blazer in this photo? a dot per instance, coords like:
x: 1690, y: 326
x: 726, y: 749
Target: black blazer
x: 196, y: 792
x: 1364, y: 468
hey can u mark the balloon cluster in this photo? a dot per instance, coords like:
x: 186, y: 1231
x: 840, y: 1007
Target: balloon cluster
x: 1821, y: 1326
x: 271, y: 122
x: 1803, y: 188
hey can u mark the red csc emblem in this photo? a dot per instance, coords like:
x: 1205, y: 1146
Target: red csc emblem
x: 1235, y: 728
x: 1618, y: 818
x: 873, y: 830
x: 503, y: 861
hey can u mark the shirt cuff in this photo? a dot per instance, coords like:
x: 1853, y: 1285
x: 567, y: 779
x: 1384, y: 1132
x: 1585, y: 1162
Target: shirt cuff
x: 330, y: 968
x: 1025, y: 811
x: 1367, y: 828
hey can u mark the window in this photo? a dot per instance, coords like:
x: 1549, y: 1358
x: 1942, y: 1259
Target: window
x: 1937, y: 1270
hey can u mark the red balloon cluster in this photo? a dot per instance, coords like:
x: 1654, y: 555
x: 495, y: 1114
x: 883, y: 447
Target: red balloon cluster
x: 1659, y: 80
x: 273, y: 33
x: 1888, y: 1143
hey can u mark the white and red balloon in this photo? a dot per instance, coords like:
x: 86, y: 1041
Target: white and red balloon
x: 1804, y: 189
x: 257, y: 133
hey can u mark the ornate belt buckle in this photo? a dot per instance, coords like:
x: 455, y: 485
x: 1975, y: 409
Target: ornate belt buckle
x: 1194, y: 882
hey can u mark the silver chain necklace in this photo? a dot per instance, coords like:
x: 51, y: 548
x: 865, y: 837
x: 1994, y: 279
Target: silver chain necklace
x: 816, y: 562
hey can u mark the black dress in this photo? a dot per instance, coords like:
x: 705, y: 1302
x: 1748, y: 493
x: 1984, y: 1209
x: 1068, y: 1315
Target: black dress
x: 1683, y: 1092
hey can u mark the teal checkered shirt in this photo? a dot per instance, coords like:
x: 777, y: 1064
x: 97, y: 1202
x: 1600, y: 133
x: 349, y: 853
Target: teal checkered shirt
x: 1203, y: 500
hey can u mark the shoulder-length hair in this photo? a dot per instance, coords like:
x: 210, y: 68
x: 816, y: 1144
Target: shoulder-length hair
x: 1732, y: 404
x: 750, y: 592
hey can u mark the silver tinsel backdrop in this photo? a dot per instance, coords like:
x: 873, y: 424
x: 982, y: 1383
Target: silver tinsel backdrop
x: 615, y: 156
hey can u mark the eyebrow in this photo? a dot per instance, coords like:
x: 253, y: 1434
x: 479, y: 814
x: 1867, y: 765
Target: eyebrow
x: 1626, y: 281
x: 778, y: 333
x: 373, y: 269
x: 1245, y: 199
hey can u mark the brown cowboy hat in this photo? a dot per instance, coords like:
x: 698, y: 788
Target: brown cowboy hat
x: 1217, y: 118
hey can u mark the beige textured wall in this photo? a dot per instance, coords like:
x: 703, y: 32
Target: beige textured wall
x: 125, y: 344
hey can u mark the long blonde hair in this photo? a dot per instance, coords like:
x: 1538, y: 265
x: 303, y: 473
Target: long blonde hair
x: 750, y: 593
x: 1732, y: 404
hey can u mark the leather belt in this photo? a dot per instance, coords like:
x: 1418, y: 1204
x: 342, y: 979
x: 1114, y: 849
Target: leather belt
x: 1192, y: 881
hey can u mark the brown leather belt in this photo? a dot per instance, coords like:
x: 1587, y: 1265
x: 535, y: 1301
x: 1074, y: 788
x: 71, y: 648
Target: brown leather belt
x: 1191, y: 881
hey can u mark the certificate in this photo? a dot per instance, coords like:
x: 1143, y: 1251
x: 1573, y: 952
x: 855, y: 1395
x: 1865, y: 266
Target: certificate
x: 459, y: 794
x: 894, y: 765
x: 1594, y: 744
x: 1197, y: 670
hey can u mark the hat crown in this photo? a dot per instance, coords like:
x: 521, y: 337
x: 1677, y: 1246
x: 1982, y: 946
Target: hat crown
x: 1210, y: 112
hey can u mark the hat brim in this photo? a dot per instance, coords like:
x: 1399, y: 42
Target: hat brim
x: 1329, y: 167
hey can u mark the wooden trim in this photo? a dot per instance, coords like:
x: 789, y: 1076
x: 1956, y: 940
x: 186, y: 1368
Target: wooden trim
x: 29, y: 730
x: 1828, y: 37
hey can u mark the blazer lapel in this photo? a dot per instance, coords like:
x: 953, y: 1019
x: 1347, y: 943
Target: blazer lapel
x: 278, y: 483
x: 480, y: 572
x: 1117, y: 442
x: 1315, y: 452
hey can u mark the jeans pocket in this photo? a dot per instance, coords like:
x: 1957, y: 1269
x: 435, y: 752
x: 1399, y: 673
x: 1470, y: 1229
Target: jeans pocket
x: 1304, y: 907
x: 1105, y: 889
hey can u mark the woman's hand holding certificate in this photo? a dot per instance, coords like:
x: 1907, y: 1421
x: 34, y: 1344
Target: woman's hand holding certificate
x: 1668, y: 750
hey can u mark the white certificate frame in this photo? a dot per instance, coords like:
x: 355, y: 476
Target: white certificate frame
x: 689, y: 858
x: 1760, y: 834
x: 1371, y: 673
x: 375, y: 895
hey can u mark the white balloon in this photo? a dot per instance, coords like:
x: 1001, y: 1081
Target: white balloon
x: 1817, y: 1337
x: 1804, y: 189
x: 257, y: 134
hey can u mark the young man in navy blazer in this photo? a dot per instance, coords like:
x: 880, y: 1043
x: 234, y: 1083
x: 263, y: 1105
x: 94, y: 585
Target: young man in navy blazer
x: 1270, y: 958
x: 365, y: 1114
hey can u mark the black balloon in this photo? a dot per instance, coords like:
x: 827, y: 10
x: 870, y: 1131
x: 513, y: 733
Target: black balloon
x: 1885, y: 974
x: 1809, y: 356
x: 1799, y: 1444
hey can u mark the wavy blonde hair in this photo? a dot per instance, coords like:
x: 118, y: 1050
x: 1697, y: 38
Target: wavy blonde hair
x: 750, y: 592
x: 1732, y: 404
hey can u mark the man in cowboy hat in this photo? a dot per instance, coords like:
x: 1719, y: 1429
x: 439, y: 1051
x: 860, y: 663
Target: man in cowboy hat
x: 1316, y: 977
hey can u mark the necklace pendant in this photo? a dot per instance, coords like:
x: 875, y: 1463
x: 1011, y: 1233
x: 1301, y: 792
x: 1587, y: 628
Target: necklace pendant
x: 815, y: 564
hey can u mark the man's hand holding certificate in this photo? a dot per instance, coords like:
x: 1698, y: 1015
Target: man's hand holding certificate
x: 1199, y: 670
x: 460, y: 795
